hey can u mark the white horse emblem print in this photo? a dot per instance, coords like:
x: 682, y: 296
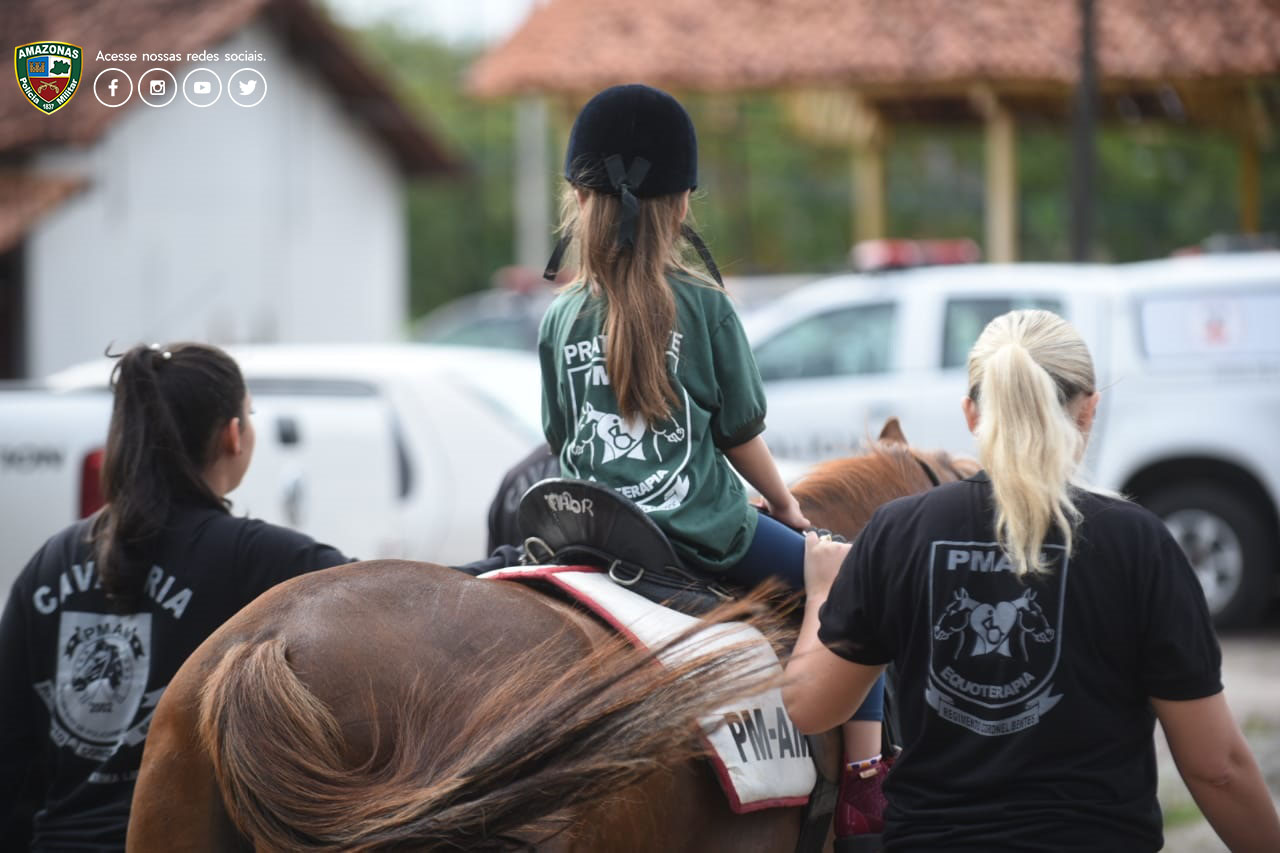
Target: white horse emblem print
x: 644, y: 462
x: 995, y: 638
x: 993, y: 626
x: 618, y: 438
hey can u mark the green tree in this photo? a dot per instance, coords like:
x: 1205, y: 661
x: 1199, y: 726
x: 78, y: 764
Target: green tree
x: 460, y: 227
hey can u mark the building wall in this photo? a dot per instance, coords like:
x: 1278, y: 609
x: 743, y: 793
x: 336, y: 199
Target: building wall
x: 283, y: 222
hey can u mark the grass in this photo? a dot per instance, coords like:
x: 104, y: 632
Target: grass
x: 1182, y: 814
x: 1256, y: 724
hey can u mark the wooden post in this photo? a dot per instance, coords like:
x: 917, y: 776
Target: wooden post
x: 1002, y: 186
x: 1250, y: 184
x: 1084, y: 119
x: 868, y: 192
x: 532, y: 200
x: 868, y: 132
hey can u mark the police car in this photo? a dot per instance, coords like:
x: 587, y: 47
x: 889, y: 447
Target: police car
x: 1187, y: 352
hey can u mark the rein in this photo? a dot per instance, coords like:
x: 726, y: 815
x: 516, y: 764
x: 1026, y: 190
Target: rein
x: 928, y: 471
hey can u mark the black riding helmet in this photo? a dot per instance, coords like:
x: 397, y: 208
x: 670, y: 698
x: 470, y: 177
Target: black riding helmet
x: 633, y: 141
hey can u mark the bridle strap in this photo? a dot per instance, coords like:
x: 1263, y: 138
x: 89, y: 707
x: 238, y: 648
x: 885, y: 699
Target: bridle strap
x: 928, y: 471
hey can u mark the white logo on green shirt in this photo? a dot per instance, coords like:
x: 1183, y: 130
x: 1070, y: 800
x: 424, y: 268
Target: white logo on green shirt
x: 643, y: 463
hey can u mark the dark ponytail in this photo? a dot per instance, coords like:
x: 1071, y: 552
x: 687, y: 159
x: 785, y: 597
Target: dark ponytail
x: 170, y: 404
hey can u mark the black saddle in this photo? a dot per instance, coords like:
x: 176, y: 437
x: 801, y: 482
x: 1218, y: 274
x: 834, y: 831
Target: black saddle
x: 568, y: 522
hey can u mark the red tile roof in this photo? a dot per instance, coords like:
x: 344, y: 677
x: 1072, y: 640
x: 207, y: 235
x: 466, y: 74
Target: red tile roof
x: 25, y: 197
x: 189, y: 26
x: 579, y: 46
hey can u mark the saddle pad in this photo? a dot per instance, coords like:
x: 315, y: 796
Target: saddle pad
x: 759, y: 756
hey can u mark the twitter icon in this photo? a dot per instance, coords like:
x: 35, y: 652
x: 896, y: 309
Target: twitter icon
x: 247, y: 87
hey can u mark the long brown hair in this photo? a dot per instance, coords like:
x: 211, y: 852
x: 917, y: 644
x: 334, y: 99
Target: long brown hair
x: 169, y: 404
x: 641, y: 309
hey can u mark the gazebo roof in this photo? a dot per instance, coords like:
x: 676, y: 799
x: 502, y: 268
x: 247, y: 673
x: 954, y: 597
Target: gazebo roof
x: 928, y: 46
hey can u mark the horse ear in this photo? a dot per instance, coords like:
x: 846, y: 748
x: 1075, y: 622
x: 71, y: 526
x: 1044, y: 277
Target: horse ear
x: 1031, y: 595
x: 893, y: 431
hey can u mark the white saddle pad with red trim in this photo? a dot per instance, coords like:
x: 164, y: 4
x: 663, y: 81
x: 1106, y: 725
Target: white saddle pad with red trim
x: 760, y: 757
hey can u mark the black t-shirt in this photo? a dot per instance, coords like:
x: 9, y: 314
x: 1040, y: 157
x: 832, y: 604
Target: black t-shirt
x: 79, y: 683
x: 1024, y: 705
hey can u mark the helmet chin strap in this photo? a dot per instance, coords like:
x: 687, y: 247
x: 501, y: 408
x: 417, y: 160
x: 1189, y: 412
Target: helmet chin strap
x: 702, y: 250
x: 557, y: 257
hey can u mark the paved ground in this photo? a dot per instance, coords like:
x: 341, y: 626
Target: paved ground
x: 1251, y: 678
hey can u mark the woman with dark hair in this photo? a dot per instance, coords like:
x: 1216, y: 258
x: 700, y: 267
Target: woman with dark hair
x: 109, y: 608
x: 1037, y: 627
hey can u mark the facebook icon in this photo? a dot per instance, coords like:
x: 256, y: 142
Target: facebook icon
x: 112, y: 87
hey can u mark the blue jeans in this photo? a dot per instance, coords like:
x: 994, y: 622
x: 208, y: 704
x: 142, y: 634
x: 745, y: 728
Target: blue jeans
x: 778, y: 551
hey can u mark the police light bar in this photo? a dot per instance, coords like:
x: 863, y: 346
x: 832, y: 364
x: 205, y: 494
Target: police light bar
x: 873, y: 255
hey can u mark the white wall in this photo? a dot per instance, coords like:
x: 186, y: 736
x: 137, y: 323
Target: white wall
x: 284, y: 222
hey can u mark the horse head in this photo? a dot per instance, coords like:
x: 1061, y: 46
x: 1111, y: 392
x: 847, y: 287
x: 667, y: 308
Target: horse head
x: 1031, y: 618
x: 841, y: 494
x: 939, y: 464
x: 956, y: 615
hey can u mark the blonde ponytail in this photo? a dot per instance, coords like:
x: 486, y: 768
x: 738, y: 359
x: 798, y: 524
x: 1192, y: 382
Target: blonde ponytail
x: 1027, y: 373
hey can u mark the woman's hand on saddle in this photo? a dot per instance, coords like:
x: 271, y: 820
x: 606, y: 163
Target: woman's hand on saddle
x: 822, y: 561
x: 788, y: 513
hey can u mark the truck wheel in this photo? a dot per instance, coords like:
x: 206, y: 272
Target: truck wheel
x: 1227, y: 543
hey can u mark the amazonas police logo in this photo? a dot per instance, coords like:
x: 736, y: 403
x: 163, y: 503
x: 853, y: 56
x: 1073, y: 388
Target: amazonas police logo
x: 48, y: 73
x: 996, y: 639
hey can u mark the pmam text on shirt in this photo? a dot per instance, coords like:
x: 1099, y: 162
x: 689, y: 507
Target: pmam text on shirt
x: 984, y: 561
x: 595, y: 348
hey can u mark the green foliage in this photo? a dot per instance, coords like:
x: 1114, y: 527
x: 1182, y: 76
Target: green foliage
x: 1181, y: 814
x: 1158, y: 188
x: 770, y: 201
x: 767, y: 202
x: 61, y: 67
x: 461, y: 227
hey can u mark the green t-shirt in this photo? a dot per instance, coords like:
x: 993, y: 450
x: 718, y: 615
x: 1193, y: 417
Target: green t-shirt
x: 676, y: 471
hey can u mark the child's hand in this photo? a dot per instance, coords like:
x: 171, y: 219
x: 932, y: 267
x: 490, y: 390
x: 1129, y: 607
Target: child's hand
x: 822, y: 561
x: 789, y: 514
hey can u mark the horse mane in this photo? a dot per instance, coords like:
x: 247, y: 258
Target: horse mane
x: 841, y: 494
x: 542, y: 739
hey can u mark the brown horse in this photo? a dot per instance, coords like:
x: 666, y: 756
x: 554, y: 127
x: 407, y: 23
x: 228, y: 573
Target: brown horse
x: 396, y: 705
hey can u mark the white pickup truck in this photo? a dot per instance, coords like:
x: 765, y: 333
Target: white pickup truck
x: 381, y: 451
x: 1187, y: 352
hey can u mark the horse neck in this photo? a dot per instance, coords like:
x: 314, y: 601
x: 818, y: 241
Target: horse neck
x: 946, y: 467
x: 841, y: 495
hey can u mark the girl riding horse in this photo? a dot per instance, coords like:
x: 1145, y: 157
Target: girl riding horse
x: 649, y: 384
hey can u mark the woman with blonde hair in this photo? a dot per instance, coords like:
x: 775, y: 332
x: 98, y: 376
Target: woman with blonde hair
x: 649, y: 385
x: 1038, y: 629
